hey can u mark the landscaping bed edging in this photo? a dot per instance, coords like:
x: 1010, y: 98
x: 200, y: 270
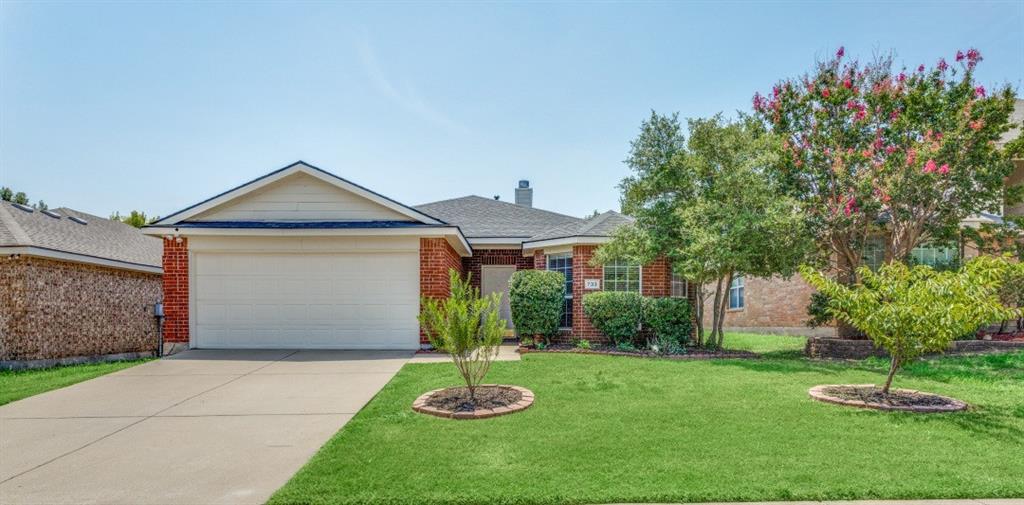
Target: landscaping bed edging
x: 844, y: 348
x: 525, y: 401
x: 821, y: 394
x: 690, y: 355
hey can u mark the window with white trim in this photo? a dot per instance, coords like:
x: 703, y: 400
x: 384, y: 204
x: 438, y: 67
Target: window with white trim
x: 622, y: 275
x: 563, y: 263
x: 679, y: 286
x: 736, y: 292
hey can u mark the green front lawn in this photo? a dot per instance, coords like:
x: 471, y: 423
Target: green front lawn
x: 18, y: 384
x: 619, y: 429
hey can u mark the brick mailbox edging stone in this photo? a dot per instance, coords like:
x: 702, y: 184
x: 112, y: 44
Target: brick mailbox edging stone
x: 818, y: 393
x: 525, y: 400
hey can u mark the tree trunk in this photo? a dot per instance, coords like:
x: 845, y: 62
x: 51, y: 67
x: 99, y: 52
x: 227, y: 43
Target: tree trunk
x: 721, y: 312
x: 698, y: 305
x: 894, y: 365
x: 715, y: 310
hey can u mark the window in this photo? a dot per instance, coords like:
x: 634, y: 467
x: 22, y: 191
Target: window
x: 679, y: 286
x: 736, y: 292
x: 935, y: 256
x: 622, y: 275
x: 874, y: 253
x: 563, y: 263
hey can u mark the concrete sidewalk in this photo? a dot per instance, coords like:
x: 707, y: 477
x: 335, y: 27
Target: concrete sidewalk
x: 506, y: 352
x: 199, y: 427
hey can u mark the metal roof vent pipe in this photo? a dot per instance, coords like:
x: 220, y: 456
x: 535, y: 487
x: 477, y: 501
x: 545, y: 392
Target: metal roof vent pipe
x: 524, y: 194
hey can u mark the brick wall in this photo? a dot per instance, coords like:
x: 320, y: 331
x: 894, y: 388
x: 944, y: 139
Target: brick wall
x: 656, y: 279
x: 472, y: 265
x: 582, y: 270
x: 175, y: 285
x: 775, y: 305
x: 437, y: 257
x: 52, y: 310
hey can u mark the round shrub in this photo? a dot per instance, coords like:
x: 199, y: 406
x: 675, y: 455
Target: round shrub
x: 615, y: 314
x: 535, y: 297
x: 668, y: 319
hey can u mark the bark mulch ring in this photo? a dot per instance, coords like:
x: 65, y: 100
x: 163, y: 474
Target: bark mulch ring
x: 869, y: 396
x: 694, y: 353
x: 490, y: 400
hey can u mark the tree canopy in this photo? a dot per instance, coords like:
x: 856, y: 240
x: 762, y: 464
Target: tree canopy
x: 906, y: 155
x: 706, y: 204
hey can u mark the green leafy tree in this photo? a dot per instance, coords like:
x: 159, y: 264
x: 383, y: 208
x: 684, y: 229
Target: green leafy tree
x: 41, y: 205
x: 20, y: 198
x: 870, y: 152
x: 536, y: 298
x: 467, y: 326
x: 6, y: 194
x: 135, y: 218
x: 706, y: 204
x: 910, y: 311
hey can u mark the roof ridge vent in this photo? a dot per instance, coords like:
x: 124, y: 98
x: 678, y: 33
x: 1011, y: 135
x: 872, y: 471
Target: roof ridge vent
x: 78, y: 220
x: 50, y: 213
x: 25, y: 208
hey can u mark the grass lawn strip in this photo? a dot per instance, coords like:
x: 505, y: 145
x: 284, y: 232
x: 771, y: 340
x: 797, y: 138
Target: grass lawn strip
x: 18, y: 384
x: 605, y: 429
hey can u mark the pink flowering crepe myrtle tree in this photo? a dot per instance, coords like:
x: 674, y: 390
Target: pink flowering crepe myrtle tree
x: 871, y: 152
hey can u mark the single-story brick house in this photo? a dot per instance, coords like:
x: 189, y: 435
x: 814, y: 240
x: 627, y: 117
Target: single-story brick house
x: 302, y: 258
x: 74, y: 287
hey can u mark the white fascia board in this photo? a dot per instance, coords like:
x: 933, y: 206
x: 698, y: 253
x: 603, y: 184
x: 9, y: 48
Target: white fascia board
x: 280, y: 174
x: 497, y: 242
x: 452, y: 233
x: 42, y: 252
x: 565, y: 241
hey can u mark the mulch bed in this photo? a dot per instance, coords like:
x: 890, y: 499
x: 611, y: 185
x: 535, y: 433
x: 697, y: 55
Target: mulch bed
x: 490, y: 400
x: 458, y: 399
x: 694, y: 353
x: 870, y: 396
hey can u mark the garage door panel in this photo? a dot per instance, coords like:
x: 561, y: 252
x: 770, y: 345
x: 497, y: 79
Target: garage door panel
x: 345, y: 300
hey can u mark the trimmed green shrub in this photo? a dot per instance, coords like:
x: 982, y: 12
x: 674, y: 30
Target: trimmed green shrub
x: 669, y: 321
x: 615, y: 314
x: 536, y: 297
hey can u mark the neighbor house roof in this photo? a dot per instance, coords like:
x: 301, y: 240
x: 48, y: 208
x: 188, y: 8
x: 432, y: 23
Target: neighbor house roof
x: 480, y: 217
x: 76, y: 236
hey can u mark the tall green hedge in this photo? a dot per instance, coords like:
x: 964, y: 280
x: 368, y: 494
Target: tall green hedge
x: 536, y: 297
x: 668, y: 319
x: 616, y: 314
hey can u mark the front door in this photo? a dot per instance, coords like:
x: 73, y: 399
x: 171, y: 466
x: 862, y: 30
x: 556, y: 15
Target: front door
x: 494, y: 279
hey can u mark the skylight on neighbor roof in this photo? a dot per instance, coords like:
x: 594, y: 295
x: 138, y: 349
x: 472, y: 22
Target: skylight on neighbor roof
x: 25, y: 208
x: 50, y: 213
x: 77, y: 220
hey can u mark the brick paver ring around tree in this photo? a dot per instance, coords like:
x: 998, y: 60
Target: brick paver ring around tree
x: 525, y: 400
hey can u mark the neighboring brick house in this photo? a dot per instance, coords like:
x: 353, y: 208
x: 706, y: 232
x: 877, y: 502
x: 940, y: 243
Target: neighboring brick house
x: 74, y: 287
x: 779, y: 305
x: 302, y: 258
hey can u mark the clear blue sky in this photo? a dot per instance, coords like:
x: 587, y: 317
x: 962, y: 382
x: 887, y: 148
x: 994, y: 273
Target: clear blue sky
x: 154, y: 106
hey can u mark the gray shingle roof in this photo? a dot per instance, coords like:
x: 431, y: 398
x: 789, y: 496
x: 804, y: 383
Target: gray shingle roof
x: 480, y: 217
x: 601, y: 225
x: 99, y: 237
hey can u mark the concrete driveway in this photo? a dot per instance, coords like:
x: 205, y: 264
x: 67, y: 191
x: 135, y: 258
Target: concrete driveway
x: 199, y: 427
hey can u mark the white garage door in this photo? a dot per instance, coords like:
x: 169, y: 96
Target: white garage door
x: 318, y: 301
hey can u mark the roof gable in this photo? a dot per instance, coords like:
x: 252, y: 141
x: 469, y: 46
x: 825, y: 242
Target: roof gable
x: 299, y: 192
